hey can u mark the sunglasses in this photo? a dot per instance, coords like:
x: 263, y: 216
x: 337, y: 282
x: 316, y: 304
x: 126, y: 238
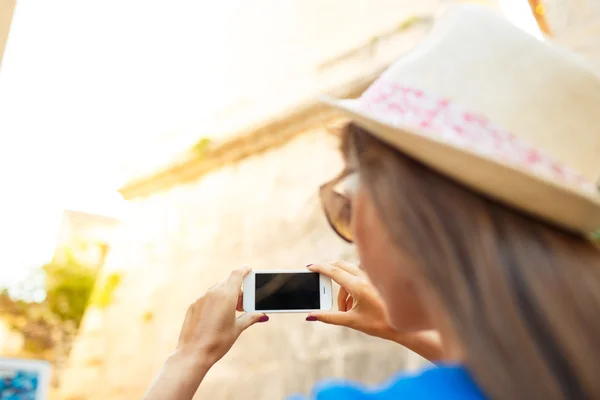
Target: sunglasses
x: 337, y: 205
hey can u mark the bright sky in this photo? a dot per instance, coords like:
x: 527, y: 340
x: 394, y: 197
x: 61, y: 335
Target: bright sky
x: 88, y: 88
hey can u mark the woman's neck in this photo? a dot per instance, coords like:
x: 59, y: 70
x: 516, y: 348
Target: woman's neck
x: 452, y: 348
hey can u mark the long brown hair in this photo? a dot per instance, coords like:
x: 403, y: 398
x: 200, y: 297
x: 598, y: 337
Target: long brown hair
x: 523, y: 296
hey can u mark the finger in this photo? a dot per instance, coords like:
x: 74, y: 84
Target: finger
x: 349, y: 268
x: 332, y: 317
x: 240, y: 302
x: 340, y: 276
x: 234, y: 282
x: 246, y: 320
x: 349, y: 303
x: 341, y: 299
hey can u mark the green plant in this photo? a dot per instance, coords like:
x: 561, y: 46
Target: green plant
x: 103, y: 293
x: 410, y: 23
x: 201, y: 146
x: 41, y: 328
x: 68, y: 286
x: 49, y: 306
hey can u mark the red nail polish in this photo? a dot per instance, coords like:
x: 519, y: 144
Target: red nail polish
x: 263, y: 318
x: 311, y: 318
x: 309, y: 265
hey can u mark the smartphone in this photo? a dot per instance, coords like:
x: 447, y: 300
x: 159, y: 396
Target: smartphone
x: 287, y: 291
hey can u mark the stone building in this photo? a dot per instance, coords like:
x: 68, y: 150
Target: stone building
x: 248, y: 197
x: 85, y: 237
x: 6, y: 12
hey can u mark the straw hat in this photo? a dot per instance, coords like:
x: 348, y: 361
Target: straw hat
x: 488, y: 105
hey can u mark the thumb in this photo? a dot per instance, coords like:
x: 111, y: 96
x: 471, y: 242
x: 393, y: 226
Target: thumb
x: 246, y: 320
x: 331, y: 317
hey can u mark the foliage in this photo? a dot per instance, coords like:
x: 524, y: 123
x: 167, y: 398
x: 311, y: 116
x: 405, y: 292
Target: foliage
x: 68, y: 286
x: 409, y: 23
x: 49, y: 324
x: 102, y: 295
x: 201, y: 147
x: 40, y: 327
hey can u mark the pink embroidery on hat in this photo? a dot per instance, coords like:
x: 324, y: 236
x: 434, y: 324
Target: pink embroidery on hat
x: 439, y: 118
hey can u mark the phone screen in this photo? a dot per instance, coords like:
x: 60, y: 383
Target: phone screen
x: 293, y: 291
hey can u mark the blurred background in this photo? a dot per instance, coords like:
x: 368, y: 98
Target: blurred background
x: 146, y: 148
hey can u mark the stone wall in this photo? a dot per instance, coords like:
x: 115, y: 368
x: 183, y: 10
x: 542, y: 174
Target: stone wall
x: 575, y: 24
x: 263, y: 211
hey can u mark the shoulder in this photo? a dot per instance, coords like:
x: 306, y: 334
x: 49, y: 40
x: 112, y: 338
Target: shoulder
x: 449, y: 382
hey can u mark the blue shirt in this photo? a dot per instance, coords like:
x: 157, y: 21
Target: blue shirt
x: 449, y: 382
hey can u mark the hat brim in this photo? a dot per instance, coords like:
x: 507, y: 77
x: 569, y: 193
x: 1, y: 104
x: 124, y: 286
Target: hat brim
x: 565, y: 206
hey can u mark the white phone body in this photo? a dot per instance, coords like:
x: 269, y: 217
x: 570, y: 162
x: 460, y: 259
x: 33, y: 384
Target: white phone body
x: 325, y: 293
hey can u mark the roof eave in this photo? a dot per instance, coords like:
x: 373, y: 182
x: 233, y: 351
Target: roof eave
x: 268, y: 135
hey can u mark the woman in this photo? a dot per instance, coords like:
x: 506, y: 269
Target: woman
x: 463, y: 229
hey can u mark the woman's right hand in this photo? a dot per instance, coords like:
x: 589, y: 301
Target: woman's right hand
x: 361, y: 308
x: 359, y: 305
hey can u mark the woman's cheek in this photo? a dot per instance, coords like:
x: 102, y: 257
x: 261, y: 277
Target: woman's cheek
x: 371, y: 245
x: 390, y: 274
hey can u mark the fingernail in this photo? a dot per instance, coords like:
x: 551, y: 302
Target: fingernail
x: 309, y: 265
x: 263, y: 318
x: 311, y: 318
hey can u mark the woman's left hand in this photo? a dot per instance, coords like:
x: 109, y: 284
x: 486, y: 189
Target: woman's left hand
x: 210, y: 327
x: 209, y: 330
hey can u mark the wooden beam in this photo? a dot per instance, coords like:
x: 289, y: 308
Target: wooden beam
x: 539, y: 12
x: 7, y: 8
